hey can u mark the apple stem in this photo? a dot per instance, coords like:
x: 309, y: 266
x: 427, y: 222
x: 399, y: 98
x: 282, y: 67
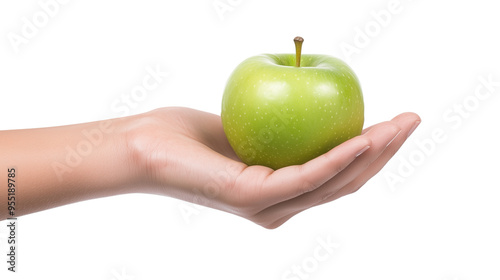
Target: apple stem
x: 298, y: 49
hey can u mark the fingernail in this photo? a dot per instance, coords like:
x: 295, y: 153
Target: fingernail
x: 362, y: 151
x: 393, y: 138
x: 413, y: 128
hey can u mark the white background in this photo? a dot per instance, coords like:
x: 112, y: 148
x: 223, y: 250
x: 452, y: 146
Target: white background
x: 439, y: 220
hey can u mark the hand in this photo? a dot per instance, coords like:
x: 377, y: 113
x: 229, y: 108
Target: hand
x: 184, y: 153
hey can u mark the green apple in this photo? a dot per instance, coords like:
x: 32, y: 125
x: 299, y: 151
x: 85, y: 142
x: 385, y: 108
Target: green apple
x: 286, y: 109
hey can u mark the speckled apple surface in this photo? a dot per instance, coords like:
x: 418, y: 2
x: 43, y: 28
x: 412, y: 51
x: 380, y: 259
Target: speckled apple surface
x: 276, y: 114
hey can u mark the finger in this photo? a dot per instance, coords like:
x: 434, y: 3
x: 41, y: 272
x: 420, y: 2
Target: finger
x: 381, y: 135
x: 292, y: 181
x: 282, y: 220
x: 408, y: 122
x: 367, y: 129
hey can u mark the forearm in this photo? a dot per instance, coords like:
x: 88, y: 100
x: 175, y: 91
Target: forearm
x: 61, y: 165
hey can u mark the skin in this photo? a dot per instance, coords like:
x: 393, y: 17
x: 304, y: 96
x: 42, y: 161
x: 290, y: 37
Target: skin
x: 184, y: 153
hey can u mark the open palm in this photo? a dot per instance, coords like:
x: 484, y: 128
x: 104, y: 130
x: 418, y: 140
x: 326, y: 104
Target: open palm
x: 184, y: 154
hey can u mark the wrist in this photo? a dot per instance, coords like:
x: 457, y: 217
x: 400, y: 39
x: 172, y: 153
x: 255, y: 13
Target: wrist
x: 66, y: 164
x: 105, y: 167
x: 133, y: 134
x: 131, y: 171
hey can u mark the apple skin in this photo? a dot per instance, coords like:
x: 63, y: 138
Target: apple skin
x: 276, y: 114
